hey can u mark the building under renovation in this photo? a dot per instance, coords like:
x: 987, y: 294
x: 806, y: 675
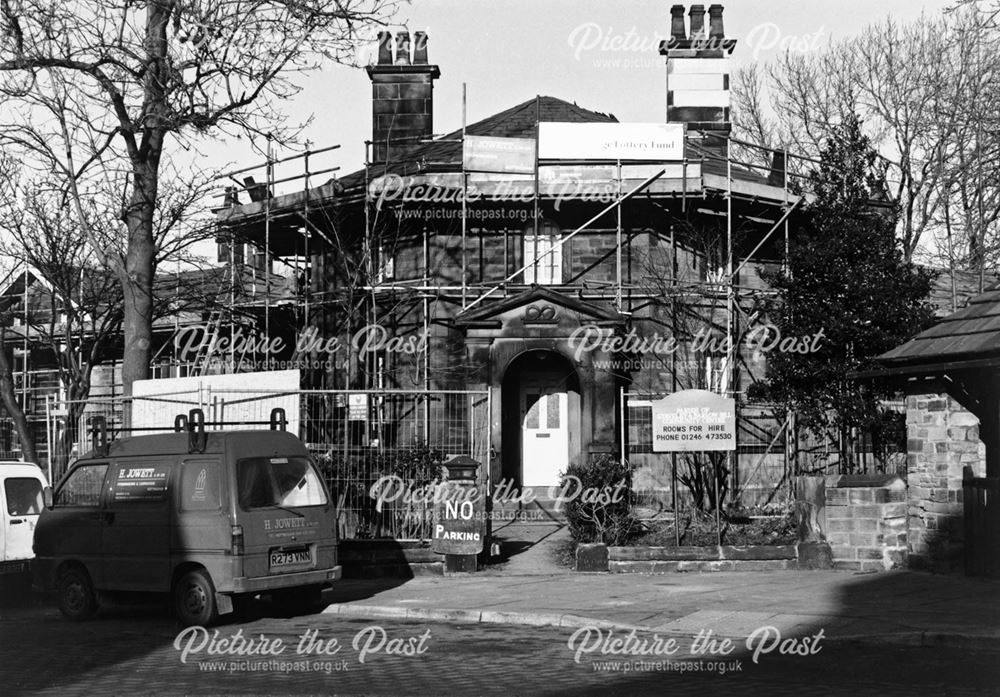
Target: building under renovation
x: 496, y: 261
x: 518, y: 291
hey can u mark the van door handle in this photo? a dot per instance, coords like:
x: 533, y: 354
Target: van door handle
x: 17, y: 521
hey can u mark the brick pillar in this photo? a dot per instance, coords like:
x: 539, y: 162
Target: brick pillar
x: 942, y: 438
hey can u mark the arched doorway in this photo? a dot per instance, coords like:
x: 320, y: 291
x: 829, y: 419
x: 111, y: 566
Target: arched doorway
x: 541, y: 419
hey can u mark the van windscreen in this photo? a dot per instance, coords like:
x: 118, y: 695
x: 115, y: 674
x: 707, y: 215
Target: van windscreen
x: 278, y: 481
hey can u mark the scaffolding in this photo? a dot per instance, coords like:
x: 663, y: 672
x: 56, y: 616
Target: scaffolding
x: 735, y: 184
x: 306, y: 201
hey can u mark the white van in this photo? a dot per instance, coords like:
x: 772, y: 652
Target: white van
x: 21, y: 487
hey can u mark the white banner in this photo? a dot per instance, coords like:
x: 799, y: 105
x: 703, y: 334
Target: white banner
x: 659, y: 142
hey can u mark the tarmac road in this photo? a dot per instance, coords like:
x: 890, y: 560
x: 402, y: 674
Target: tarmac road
x: 130, y: 649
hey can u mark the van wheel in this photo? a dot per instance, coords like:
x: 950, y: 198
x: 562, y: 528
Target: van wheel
x: 77, y: 600
x: 194, y: 599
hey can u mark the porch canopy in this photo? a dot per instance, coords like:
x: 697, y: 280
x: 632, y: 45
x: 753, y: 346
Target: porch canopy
x: 958, y: 356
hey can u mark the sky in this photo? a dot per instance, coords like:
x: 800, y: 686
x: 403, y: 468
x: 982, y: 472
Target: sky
x: 600, y: 54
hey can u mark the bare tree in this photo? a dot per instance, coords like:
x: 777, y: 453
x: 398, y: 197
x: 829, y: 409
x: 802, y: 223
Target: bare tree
x: 927, y: 93
x: 112, y: 86
x: 72, y: 308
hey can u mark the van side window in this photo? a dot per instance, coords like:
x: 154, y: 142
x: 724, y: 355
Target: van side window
x: 200, y: 486
x: 278, y: 481
x: 83, y: 488
x: 141, y: 482
x: 24, y: 496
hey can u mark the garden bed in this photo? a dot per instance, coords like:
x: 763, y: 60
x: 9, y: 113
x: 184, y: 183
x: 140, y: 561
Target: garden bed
x: 699, y: 530
x: 749, y: 543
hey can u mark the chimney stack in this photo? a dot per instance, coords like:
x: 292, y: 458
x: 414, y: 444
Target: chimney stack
x: 698, y: 72
x: 715, y: 30
x: 678, y: 32
x: 402, y: 96
x: 697, y: 22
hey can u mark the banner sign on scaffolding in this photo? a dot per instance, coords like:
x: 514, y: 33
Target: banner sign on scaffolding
x: 659, y: 142
x: 692, y: 421
x: 499, y: 155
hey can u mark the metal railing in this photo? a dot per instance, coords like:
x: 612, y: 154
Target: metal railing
x: 357, y: 437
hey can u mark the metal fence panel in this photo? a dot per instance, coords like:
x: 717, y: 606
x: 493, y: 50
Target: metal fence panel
x: 357, y: 437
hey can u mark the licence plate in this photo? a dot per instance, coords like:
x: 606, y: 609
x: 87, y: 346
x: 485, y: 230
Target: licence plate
x: 289, y: 557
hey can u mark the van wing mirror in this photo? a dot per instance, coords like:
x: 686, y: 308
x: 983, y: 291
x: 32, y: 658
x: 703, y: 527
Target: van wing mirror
x: 47, y: 497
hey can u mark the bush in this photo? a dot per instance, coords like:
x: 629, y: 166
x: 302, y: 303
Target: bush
x: 606, y: 518
x: 351, y: 477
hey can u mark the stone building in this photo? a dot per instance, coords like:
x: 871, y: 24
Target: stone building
x: 494, y: 278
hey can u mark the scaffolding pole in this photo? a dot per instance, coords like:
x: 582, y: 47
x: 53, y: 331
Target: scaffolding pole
x: 618, y: 238
x: 465, y: 210
x: 267, y: 249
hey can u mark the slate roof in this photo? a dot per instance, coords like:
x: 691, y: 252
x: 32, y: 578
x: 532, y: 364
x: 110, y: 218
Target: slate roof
x: 515, y: 122
x: 445, y: 153
x: 971, y: 333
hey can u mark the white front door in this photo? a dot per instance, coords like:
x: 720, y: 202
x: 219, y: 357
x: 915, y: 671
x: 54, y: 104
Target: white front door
x: 544, y: 433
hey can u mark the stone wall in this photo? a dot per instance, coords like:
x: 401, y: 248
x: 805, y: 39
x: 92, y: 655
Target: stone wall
x: 865, y: 522
x: 942, y: 438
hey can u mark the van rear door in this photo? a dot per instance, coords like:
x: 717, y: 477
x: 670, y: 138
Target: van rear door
x: 20, y: 506
x: 285, y: 515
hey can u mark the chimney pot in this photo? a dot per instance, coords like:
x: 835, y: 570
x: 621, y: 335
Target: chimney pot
x: 697, y: 22
x: 677, y: 29
x: 384, y: 48
x: 715, y: 30
x: 420, y: 48
x: 403, y: 48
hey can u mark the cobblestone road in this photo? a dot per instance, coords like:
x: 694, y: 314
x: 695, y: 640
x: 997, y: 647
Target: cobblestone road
x: 131, y: 650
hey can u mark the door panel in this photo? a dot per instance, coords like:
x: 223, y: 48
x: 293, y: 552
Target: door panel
x: 136, y: 532
x: 72, y: 528
x: 544, y: 433
x: 22, y: 502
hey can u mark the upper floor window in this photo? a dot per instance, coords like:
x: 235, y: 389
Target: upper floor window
x: 543, y: 254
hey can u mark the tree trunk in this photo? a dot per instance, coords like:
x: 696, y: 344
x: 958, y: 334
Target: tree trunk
x: 14, y: 408
x: 137, y: 285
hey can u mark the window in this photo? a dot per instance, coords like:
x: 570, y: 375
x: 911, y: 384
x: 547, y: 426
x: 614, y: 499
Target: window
x: 544, y: 253
x: 279, y: 482
x: 386, y: 270
x: 24, y: 496
x: 200, y: 486
x: 83, y: 488
x: 141, y: 482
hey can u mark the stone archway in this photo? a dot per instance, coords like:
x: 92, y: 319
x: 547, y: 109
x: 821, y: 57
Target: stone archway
x: 540, y: 416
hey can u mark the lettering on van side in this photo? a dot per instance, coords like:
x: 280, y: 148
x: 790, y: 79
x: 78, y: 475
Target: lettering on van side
x: 141, y: 484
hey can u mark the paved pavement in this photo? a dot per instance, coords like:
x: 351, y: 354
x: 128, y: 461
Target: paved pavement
x: 905, y: 608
